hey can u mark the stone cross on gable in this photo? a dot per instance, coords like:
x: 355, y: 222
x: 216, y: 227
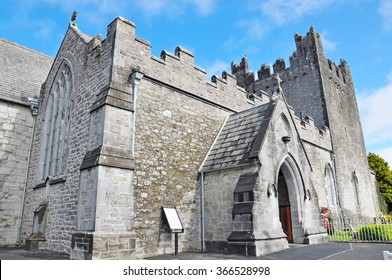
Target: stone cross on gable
x: 278, y: 82
x: 279, y: 90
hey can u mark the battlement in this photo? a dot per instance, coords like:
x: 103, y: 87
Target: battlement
x: 308, y: 54
x: 310, y: 133
x: 176, y: 69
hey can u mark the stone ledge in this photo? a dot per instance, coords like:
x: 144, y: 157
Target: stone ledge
x: 113, y: 96
x: 108, y: 156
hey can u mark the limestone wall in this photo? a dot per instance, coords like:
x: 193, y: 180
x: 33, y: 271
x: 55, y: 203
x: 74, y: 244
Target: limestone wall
x: 357, y: 199
x: 174, y: 134
x: 178, y: 115
x: 22, y: 71
x: 108, y: 197
x: 323, y: 90
x: 90, y: 65
x: 16, y: 125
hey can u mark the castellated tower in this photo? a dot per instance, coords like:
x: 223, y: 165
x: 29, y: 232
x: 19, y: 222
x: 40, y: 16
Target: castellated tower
x: 320, y: 89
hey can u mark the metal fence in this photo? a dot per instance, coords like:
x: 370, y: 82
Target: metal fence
x: 374, y: 230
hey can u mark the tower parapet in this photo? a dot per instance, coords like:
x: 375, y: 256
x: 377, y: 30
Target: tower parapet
x: 245, y: 78
x: 301, y: 80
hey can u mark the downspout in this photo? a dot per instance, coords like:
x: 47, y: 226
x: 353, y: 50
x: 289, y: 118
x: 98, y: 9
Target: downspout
x: 34, y: 103
x: 202, y: 197
x: 134, y: 80
x: 202, y: 213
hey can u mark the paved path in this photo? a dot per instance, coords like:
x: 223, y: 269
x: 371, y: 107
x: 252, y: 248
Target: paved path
x: 21, y: 254
x: 329, y: 251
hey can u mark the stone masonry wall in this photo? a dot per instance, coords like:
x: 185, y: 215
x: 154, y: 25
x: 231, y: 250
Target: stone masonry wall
x: 15, y: 133
x: 174, y: 135
x: 178, y: 115
x: 90, y: 63
x: 323, y: 90
x: 348, y: 142
x: 22, y: 71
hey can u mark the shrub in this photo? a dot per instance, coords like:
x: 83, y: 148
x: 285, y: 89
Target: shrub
x: 388, y: 219
x: 375, y: 232
x: 327, y: 220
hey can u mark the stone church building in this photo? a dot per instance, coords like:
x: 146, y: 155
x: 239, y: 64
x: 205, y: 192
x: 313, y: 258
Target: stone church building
x: 247, y: 161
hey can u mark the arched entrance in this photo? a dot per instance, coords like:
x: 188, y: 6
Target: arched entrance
x: 291, y: 194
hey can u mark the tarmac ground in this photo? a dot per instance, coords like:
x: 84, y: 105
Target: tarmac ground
x: 328, y: 251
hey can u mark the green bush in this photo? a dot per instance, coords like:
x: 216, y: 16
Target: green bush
x: 375, y: 232
x: 388, y: 219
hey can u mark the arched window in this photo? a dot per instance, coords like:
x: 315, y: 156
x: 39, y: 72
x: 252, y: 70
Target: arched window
x: 54, y: 150
x: 354, y: 181
x: 330, y: 185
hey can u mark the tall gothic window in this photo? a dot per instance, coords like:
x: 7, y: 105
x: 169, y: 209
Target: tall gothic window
x: 354, y: 181
x: 56, y: 126
x: 330, y: 185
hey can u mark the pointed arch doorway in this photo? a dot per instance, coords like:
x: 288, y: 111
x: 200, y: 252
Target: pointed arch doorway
x: 291, y: 190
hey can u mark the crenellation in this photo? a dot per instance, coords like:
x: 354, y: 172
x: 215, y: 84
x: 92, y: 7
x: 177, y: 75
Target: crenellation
x: 230, y: 79
x: 310, y: 133
x: 309, y: 120
x: 215, y: 79
x: 185, y: 55
x: 143, y: 41
x: 242, y: 67
x: 169, y: 57
x: 279, y: 65
x: 264, y: 72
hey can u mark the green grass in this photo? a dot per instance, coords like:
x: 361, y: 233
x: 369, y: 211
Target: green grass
x: 370, y: 232
x: 341, y: 236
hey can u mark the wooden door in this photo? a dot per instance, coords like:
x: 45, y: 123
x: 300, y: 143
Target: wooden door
x: 285, y: 219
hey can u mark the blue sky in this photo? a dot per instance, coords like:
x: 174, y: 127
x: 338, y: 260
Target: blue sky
x: 220, y: 31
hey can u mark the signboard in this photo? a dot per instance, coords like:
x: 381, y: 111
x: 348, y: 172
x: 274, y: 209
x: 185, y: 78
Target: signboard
x: 172, y: 219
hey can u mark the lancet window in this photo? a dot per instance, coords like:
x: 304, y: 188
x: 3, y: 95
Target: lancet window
x: 54, y: 150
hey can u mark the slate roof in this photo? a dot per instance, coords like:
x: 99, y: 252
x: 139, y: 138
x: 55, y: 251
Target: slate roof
x: 240, y: 139
x: 22, y: 71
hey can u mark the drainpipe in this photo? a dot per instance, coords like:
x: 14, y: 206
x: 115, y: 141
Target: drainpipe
x: 202, y: 213
x: 134, y: 80
x: 34, y: 104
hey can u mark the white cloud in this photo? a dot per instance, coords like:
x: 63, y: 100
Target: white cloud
x: 204, y: 7
x: 328, y: 44
x: 385, y: 153
x: 286, y: 11
x: 175, y: 7
x: 93, y: 9
x: 254, y: 28
x: 155, y: 7
x: 376, y: 117
x: 386, y: 12
x: 217, y: 68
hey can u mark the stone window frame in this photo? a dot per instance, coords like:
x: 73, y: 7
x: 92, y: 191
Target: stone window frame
x: 57, y: 121
x: 330, y: 185
x: 355, y: 183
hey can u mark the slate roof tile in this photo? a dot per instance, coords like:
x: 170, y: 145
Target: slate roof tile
x: 238, y: 138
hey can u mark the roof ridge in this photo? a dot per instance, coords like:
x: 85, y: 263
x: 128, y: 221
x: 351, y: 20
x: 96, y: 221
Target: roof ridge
x: 24, y: 47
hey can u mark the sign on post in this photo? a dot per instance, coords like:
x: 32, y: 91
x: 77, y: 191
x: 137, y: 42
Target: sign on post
x: 172, y: 223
